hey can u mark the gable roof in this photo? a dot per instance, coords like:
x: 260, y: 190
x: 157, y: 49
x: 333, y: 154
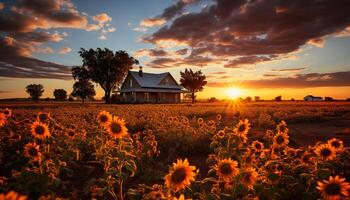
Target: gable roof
x: 150, y: 80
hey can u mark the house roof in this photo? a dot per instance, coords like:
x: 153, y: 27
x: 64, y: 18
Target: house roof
x: 150, y: 80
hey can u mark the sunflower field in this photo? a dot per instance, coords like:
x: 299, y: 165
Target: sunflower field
x: 169, y: 152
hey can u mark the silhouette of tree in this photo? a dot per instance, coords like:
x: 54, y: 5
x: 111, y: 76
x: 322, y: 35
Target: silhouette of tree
x: 84, y: 89
x: 193, y: 81
x: 60, y: 94
x: 35, y: 91
x: 106, y: 68
x: 278, y: 98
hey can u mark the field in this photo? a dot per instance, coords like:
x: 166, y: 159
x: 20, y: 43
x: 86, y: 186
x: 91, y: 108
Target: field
x: 254, y: 150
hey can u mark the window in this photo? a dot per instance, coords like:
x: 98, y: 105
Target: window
x: 167, y: 81
x: 130, y: 82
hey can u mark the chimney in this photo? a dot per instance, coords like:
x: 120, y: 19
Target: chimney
x: 140, y: 72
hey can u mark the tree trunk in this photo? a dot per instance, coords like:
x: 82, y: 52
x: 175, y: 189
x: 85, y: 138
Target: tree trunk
x: 107, y: 96
x: 192, y: 96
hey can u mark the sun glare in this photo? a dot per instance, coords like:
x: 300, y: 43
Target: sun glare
x: 234, y: 92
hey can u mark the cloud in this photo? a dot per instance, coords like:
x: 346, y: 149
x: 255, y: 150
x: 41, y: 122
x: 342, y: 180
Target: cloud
x: 182, y: 51
x: 15, y: 62
x: 64, y: 50
x: 103, y: 20
x: 168, y: 13
x: 289, y: 69
x: 44, y: 50
x: 27, y: 15
x: 198, y: 61
x: 151, y: 53
x: 335, y: 79
x: 254, y: 28
x: 2, y: 5
x: 248, y: 60
x: 150, y: 22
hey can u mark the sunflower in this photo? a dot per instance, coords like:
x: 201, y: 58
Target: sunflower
x: 282, y: 127
x: 104, y: 117
x: 43, y: 116
x: 221, y: 134
x: 31, y: 150
x: 306, y: 158
x: 200, y: 121
x: 116, y: 127
x: 12, y: 195
x: 7, y: 112
x: 257, y: 146
x: 248, y: 159
x: 226, y: 169
x: 281, y: 139
x: 334, y: 188
x: 326, y: 151
x: 336, y: 144
x: 249, y: 177
x: 71, y: 133
x: 2, y: 119
x: 40, y: 130
x: 218, y: 117
x: 242, y: 127
x: 180, y: 175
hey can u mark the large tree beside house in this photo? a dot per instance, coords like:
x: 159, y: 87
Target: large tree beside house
x: 107, y: 68
x: 192, y: 81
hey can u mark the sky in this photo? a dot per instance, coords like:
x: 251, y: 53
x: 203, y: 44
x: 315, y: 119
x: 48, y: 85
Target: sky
x: 265, y: 48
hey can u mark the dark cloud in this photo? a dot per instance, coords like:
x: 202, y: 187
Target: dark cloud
x: 289, y: 69
x: 248, y: 60
x: 182, y: 51
x: 168, y: 13
x: 255, y: 28
x: 198, y: 61
x: 299, y: 81
x: 15, y: 61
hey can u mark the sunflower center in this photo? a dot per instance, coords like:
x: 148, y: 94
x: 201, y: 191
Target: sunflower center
x: 335, y: 144
x: 225, y: 169
x: 178, y: 176
x: 71, y: 133
x: 282, y: 129
x: 332, y: 189
x: 257, y: 145
x: 247, y: 177
x: 116, y: 128
x: 280, y: 139
x: 33, y: 152
x: 326, y: 152
x: 103, y: 118
x: 241, y: 128
x: 40, y: 130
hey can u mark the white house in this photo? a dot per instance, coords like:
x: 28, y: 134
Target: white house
x: 312, y: 98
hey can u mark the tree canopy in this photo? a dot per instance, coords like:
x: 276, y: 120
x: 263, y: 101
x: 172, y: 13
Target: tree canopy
x: 35, y: 91
x: 60, y: 94
x: 105, y: 67
x: 192, y: 81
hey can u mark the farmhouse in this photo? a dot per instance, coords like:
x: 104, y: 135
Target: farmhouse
x: 140, y: 87
x: 312, y: 98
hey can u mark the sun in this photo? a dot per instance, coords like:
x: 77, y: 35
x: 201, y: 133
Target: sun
x: 234, y: 92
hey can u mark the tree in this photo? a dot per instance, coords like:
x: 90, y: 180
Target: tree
x: 106, y: 68
x: 193, y: 81
x: 84, y: 89
x: 60, y: 94
x: 278, y: 98
x: 35, y: 91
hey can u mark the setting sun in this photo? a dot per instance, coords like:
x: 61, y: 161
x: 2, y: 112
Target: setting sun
x: 234, y: 92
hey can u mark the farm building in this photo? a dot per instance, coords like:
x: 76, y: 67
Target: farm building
x: 312, y: 98
x: 140, y: 87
